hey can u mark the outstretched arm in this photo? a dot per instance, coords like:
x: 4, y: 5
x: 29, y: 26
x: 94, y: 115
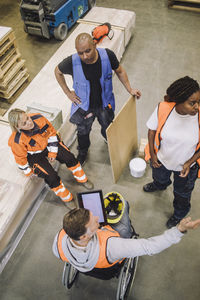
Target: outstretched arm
x: 70, y: 94
x: 119, y: 248
x: 123, y: 77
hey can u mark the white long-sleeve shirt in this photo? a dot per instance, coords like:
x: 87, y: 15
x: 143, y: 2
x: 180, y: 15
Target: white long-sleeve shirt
x: 119, y: 248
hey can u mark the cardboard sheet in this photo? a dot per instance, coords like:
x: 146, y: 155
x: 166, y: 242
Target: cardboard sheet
x: 122, y: 138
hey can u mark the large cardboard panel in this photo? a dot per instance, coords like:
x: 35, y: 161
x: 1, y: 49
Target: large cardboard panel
x: 122, y: 138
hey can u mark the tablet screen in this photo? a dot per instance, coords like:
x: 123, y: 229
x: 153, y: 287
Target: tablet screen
x: 94, y: 202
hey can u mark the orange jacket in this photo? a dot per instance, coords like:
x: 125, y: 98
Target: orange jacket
x: 33, y: 141
x: 164, y: 110
x: 103, y: 236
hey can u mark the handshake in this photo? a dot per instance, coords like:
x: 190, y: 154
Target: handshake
x: 186, y: 224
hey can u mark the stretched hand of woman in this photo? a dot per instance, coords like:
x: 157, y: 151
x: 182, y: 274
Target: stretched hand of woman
x: 187, y: 223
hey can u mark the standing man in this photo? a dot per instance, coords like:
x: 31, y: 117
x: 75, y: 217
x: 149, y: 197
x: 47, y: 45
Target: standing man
x: 93, y: 96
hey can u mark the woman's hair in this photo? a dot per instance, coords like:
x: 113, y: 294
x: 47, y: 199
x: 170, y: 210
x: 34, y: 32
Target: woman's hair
x: 74, y: 222
x: 180, y: 90
x: 14, y: 117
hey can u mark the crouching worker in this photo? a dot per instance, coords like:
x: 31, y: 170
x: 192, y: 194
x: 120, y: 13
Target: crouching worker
x: 89, y: 248
x: 35, y: 145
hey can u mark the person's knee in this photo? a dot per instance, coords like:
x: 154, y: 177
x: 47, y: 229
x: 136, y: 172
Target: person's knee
x: 83, y: 130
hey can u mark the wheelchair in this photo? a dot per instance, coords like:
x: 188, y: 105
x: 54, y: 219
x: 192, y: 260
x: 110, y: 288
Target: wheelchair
x: 125, y: 270
x: 125, y: 274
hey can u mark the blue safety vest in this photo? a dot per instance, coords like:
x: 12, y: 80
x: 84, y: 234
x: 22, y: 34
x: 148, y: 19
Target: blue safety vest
x: 81, y: 85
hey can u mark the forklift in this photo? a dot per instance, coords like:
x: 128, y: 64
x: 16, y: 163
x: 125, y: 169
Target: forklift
x: 49, y: 18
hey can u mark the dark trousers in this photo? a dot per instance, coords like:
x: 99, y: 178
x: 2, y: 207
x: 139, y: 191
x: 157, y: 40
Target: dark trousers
x: 182, y: 187
x: 84, y: 120
x: 42, y: 167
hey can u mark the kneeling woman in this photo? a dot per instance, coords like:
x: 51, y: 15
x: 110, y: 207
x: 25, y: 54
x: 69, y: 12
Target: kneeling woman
x: 35, y: 146
x: 174, y: 144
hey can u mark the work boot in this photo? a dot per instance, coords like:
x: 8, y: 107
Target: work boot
x: 173, y: 221
x: 71, y: 204
x: 88, y: 185
x: 82, y: 158
x: 151, y: 187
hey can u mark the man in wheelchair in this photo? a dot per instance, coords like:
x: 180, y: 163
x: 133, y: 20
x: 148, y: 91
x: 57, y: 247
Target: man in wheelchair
x: 91, y: 249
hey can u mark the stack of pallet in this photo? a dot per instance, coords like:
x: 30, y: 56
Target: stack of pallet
x: 191, y: 5
x: 13, y: 73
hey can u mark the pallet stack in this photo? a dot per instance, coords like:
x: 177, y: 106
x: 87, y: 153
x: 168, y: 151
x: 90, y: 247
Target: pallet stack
x: 191, y: 5
x: 13, y: 72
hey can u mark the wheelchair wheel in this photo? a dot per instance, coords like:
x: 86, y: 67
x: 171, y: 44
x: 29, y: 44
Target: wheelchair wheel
x: 69, y: 275
x: 126, y: 278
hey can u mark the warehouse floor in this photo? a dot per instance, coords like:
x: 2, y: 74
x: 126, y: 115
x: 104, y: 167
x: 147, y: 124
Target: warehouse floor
x: 165, y: 47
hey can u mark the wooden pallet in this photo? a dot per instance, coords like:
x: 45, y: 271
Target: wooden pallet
x: 15, y: 68
x: 13, y: 57
x: 6, y: 40
x: 189, y: 5
x: 13, y: 72
x: 17, y: 82
x: 10, y: 51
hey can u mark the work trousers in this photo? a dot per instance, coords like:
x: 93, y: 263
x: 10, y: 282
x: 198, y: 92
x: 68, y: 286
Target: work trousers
x: 42, y: 167
x: 84, y: 120
x: 182, y: 187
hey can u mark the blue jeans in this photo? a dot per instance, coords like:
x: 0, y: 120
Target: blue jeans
x: 182, y: 187
x: 84, y: 120
x: 124, y: 226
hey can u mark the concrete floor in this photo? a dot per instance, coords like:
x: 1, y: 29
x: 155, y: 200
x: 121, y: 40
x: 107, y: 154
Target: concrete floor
x: 165, y: 47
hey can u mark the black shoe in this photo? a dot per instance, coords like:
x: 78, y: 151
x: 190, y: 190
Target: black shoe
x: 81, y: 158
x: 173, y: 221
x: 151, y: 187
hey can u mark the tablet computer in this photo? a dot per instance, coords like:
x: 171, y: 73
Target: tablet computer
x: 93, y: 201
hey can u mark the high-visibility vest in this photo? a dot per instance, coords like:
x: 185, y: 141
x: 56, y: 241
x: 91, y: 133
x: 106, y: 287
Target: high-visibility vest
x: 103, y: 236
x: 164, y: 110
x: 82, y: 86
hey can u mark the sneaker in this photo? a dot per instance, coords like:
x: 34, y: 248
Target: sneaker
x: 81, y: 158
x: 173, y: 221
x: 151, y: 187
x: 88, y: 185
x: 71, y: 204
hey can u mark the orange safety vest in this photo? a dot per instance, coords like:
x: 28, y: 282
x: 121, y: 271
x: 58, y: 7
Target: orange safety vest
x: 164, y: 110
x: 103, y: 236
x: 22, y: 144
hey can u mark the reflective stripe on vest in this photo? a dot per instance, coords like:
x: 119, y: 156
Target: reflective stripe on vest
x: 82, y: 86
x: 103, y: 235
